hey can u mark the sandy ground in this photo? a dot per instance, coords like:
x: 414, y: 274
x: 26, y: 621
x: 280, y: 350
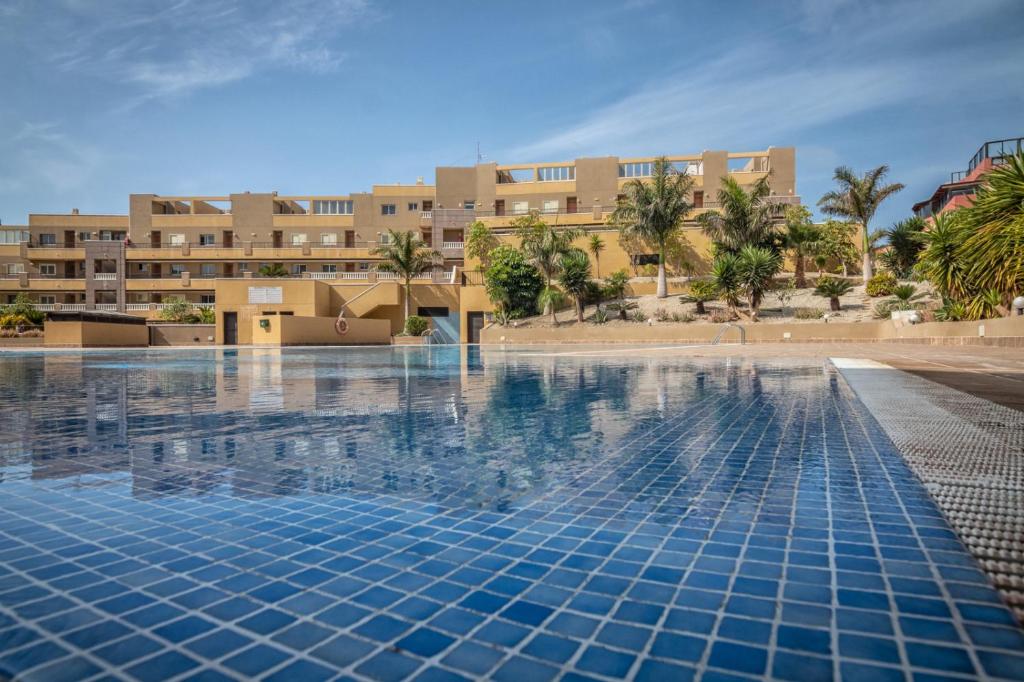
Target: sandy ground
x: 856, y: 306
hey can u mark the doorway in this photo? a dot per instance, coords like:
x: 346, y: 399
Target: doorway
x: 475, y: 320
x: 230, y: 329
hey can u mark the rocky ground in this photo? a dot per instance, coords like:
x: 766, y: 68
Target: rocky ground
x: 800, y: 306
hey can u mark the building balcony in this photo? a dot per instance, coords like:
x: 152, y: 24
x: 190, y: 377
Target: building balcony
x: 53, y: 252
x: 32, y: 282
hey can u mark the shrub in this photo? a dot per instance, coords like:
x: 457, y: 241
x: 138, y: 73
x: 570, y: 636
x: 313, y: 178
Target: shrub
x: 21, y: 312
x: 638, y: 315
x: 415, y: 325
x: 649, y: 270
x: 882, y: 284
x: 808, y: 313
x: 952, y: 311
x: 832, y: 288
x: 701, y: 290
x: 720, y: 316
x: 178, y: 310
x: 512, y: 283
x: 682, y: 317
x: 661, y: 315
x: 600, y: 316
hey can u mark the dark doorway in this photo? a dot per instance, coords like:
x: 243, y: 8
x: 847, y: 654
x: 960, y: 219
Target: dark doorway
x: 476, y: 324
x: 350, y: 239
x: 230, y: 329
x: 154, y: 239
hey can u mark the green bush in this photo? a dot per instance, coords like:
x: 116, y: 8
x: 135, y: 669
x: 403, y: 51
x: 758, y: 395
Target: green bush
x: 20, y: 313
x: 882, y: 284
x: 512, y: 283
x: 701, y: 291
x: 415, y: 325
x: 832, y: 288
x: 808, y: 313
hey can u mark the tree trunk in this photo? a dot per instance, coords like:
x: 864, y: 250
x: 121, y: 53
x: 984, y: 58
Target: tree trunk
x: 406, y: 300
x: 548, y: 308
x: 579, y: 310
x: 597, y: 265
x: 662, y: 281
x: 798, y: 272
x: 866, y: 267
x: 700, y: 308
x: 834, y: 303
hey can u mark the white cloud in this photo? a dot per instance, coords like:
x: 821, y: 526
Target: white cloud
x: 41, y: 155
x: 169, y: 50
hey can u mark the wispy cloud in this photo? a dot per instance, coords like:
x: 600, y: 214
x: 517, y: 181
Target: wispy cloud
x: 165, y: 50
x: 40, y: 154
x: 767, y: 90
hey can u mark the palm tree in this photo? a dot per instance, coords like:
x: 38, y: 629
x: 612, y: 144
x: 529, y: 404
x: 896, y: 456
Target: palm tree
x: 596, y: 245
x: 832, y: 288
x: 274, y: 270
x: 574, y: 277
x: 744, y: 218
x: 756, y: 267
x: 905, y: 243
x: 653, y: 210
x: 801, y: 237
x: 725, y: 275
x: 858, y: 198
x: 544, y: 246
x: 406, y: 256
x: 994, y: 248
x: 939, y: 261
x: 615, y: 288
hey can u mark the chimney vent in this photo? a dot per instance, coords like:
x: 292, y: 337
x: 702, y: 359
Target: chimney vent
x: 74, y: 211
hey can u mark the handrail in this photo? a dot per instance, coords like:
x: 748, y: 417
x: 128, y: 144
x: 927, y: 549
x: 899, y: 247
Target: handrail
x: 725, y: 328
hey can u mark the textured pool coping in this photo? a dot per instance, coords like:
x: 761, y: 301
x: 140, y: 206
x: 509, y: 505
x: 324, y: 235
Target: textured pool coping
x: 968, y: 451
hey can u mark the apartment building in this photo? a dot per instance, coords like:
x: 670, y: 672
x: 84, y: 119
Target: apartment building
x: 962, y: 185
x: 180, y: 246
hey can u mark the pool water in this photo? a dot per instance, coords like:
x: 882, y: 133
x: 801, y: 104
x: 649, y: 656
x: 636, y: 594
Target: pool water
x: 443, y: 513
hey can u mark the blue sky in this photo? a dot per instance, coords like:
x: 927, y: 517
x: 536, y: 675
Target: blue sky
x: 108, y: 97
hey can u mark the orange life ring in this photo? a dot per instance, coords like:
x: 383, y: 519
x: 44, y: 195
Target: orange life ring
x: 341, y: 326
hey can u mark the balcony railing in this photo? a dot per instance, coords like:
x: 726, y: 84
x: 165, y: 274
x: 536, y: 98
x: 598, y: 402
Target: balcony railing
x: 453, y: 245
x: 426, y: 215
x: 105, y: 276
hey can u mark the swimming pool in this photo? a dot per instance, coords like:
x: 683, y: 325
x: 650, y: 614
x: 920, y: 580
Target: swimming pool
x: 439, y: 513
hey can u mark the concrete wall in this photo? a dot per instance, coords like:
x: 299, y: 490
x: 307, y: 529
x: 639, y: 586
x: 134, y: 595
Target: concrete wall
x: 182, y: 334
x: 94, y: 334
x: 290, y: 330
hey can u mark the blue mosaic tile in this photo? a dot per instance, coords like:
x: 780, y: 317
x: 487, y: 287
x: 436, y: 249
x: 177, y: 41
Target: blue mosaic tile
x: 741, y: 521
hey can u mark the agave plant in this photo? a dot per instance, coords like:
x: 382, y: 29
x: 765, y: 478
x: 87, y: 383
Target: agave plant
x: 701, y: 291
x: 939, y: 262
x: 756, y: 268
x: 832, y: 288
x: 724, y: 273
x: 951, y: 311
x: 985, y: 305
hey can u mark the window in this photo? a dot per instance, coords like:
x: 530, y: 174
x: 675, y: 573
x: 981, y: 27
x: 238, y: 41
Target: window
x: 332, y: 207
x: 47, y: 239
x: 48, y: 269
x: 113, y: 235
x: 177, y: 269
x: 176, y: 239
x: 384, y: 238
x: 208, y: 298
x: 469, y: 203
x: 556, y: 173
x: 387, y: 209
x: 298, y: 239
x: 432, y: 311
x: 243, y: 267
x: 645, y: 259
x: 520, y: 207
x: 15, y: 268
x: 641, y: 169
x: 329, y: 238
x: 330, y: 267
x: 84, y: 236
x: 364, y: 266
x: 13, y: 236
x: 141, y: 267
x: 208, y: 270
x: 207, y: 240
x: 550, y: 206
x: 508, y: 177
x: 298, y: 268
x: 414, y: 206
x: 47, y: 299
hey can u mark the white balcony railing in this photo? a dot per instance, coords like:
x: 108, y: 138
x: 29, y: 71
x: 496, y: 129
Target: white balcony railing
x: 72, y: 307
x: 452, y: 245
x: 352, y: 275
x: 106, y: 276
x: 323, y: 275
x: 43, y: 307
x: 427, y: 215
x: 106, y: 306
x: 136, y: 306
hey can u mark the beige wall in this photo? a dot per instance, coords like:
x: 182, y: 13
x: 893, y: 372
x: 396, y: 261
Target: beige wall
x: 182, y: 334
x: 289, y: 330
x: 94, y: 334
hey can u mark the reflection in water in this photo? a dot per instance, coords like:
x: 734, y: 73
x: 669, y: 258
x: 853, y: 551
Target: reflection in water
x: 455, y: 427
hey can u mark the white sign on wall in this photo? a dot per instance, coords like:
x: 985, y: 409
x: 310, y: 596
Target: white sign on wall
x: 265, y: 295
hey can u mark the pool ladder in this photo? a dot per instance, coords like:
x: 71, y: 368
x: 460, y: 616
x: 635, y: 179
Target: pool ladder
x: 725, y: 328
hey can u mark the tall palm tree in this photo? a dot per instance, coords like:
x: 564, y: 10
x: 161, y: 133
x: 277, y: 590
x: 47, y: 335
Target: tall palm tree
x: 858, y: 198
x: 653, y: 210
x: 406, y: 256
x: 744, y: 218
x: 596, y: 245
x: 574, y: 277
x: 802, y: 237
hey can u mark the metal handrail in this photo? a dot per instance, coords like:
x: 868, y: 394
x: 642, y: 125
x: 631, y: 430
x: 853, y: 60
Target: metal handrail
x: 725, y: 328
